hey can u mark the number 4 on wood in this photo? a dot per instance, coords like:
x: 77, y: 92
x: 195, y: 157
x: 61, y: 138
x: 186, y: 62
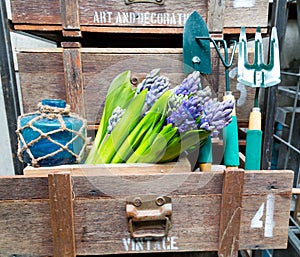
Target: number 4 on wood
x: 257, y: 221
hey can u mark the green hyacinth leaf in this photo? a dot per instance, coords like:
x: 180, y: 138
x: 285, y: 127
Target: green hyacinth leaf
x: 130, y: 119
x: 121, y: 85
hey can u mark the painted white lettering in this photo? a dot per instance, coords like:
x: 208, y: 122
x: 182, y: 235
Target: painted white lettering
x: 256, y: 221
x: 166, y: 18
x: 125, y: 17
x: 147, y: 18
x: 109, y: 14
x: 180, y: 18
x: 153, y: 18
x: 148, y: 244
x: 270, y: 215
x: 118, y: 18
x: 172, y: 19
x: 102, y: 17
x: 166, y: 243
x: 126, y: 243
x: 173, y: 243
x: 160, y: 18
x: 140, y: 18
x: 96, y: 17
x: 185, y: 17
x: 132, y: 17
x: 139, y: 245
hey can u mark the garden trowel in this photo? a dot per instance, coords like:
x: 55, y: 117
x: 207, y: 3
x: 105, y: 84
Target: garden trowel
x: 196, y: 56
x: 196, y: 53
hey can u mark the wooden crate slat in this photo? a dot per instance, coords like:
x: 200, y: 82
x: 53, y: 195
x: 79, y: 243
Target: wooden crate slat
x: 245, y: 12
x: 73, y: 77
x: 62, y: 219
x: 257, y: 232
x: 70, y: 18
x: 215, y: 20
x: 94, y: 16
x: 25, y: 228
x: 42, y: 76
x: 23, y: 188
x: 101, y: 224
x: 231, y: 208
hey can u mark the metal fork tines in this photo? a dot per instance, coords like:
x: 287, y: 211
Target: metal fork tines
x: 259, y: 74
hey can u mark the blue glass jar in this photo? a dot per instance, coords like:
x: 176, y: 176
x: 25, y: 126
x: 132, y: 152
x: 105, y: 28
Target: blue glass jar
x: 51, y: 136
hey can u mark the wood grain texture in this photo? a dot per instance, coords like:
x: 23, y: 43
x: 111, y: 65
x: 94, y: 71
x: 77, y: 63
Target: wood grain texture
x: 73, y: 78
x: 231, y: 209
x: 246, y: 13
x: 118, y: 169
x: 70, y: 14
x: 41, y: 76
x: 110, y: 14
x: 61, y: 210
x: 101, y: 224
x: 215, y: 19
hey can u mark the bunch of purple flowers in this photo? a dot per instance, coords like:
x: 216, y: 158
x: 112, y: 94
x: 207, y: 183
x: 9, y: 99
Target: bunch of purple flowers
x: 154, y: 123
x: 197, y: 110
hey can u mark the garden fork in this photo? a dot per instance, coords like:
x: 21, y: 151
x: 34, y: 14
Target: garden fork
x: 259, y: 75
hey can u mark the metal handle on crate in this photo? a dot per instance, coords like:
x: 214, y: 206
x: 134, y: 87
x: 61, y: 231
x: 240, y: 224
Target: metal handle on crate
x: 149, y: 216
x: 159, y: 2
x: 154, y: 233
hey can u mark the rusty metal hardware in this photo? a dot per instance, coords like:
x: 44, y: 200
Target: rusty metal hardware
x: 149, y: 216
x: 159, y: 2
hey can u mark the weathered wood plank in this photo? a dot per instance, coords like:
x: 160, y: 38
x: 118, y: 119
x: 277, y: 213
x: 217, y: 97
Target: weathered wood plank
x: 42, y: 76
x: 238, y: 12
x: 215, y: 19
x: 100, y: 66
x: 196, y: 200
x: 231, y: 209
x: 116, y: 14
x: 73, y: 77
x: 61, y: 210
x: 70, y: 17
x: 182, y: 165
x: 92, y: 179
x: 97, y: 231
x: 25, y: 228
x: 23, y: 188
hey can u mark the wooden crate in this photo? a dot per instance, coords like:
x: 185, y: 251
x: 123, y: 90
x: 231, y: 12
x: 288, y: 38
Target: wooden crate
x: 58, y: 214
x: 73, y: 16
x: 81, y: 76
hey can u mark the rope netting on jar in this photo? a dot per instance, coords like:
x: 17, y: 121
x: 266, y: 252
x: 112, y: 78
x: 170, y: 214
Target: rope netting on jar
x: 51, y: 113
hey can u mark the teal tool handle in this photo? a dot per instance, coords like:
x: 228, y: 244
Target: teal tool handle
x: 205, y: 152
x: 253, y: 149
x: 231, y: 143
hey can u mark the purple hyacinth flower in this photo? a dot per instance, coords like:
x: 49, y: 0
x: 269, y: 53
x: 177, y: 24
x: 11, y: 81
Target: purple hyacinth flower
x: 190, y: 85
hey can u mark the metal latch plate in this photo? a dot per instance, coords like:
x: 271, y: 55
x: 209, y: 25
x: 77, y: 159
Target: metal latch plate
x: 149, y: 216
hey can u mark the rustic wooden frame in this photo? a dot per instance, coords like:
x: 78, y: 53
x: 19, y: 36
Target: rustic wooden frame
x: 30, y: 204
x: 82, y: 76
x: 73, y: 17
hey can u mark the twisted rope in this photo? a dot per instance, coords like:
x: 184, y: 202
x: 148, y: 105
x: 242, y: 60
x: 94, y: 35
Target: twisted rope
x: 49, y: 112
